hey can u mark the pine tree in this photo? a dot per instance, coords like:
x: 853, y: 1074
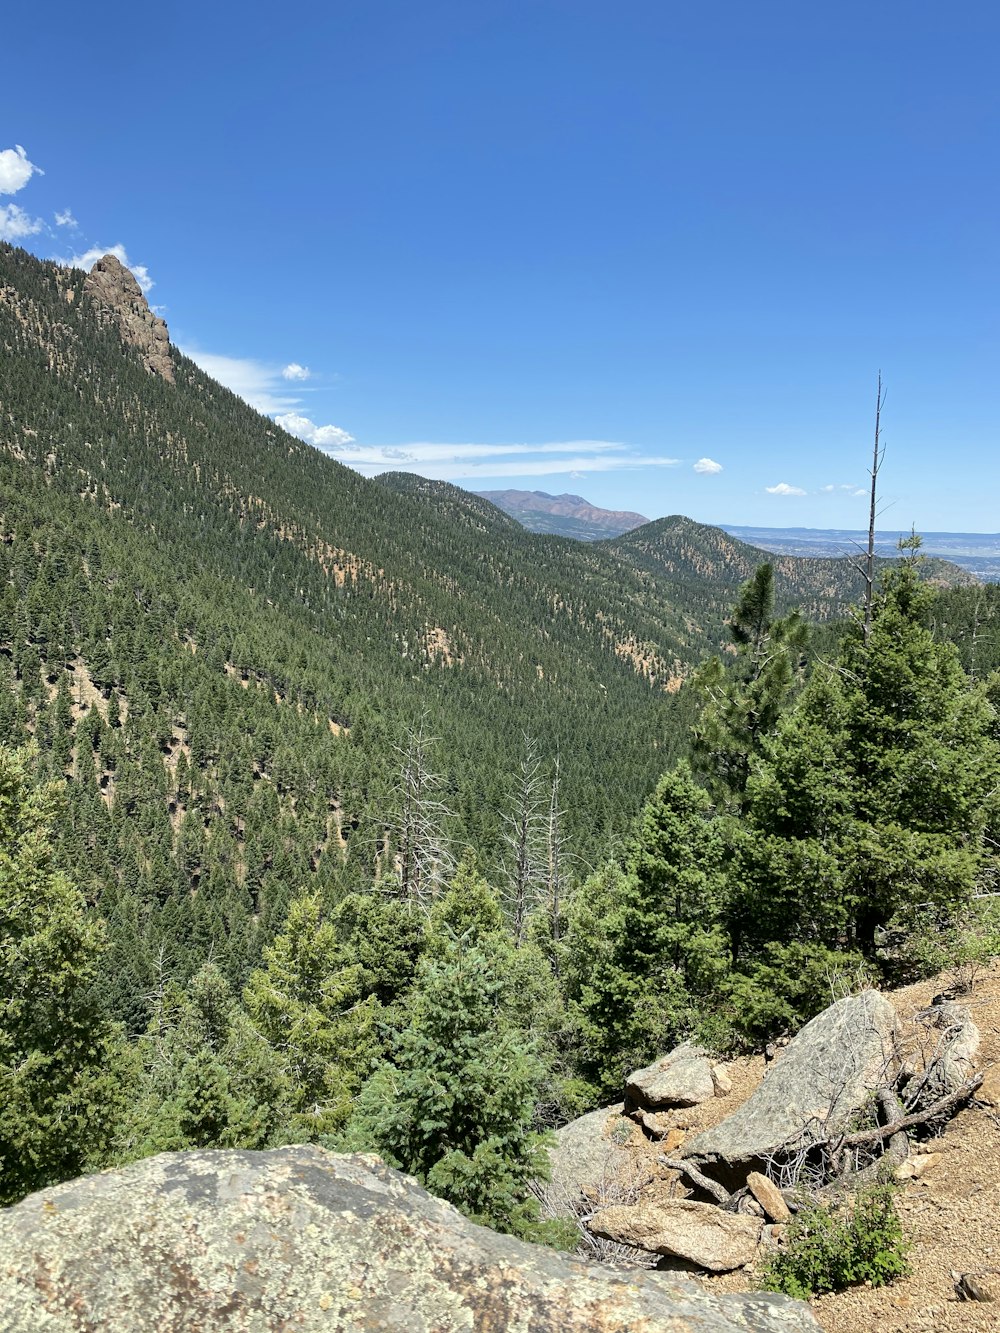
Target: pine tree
x: 53, y: 1040
x: 744, y: 701
x: 871, y: 801
x: 454, y: 1106
x: 660, y: 946
x: 310, y: 1005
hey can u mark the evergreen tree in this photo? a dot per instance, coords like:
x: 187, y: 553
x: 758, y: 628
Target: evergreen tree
x: 53, y: 1040
x: 744, y: 701
x: 454, y: 1107
x: 660, y: 947
x: 872, y: 799
x: 311, y: 1007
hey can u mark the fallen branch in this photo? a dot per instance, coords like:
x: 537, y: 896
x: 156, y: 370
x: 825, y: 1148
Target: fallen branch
x: 697, y: 1178
x: 871, y: 1137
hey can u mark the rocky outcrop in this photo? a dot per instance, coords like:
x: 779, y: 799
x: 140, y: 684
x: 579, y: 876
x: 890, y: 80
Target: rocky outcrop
x: 682, y: 1078
x: 952, y: 1059
x: 590, y: 1161
x: 298, y: 1238
x: 118, y: 299
x: 827, y: 1073
x: 702, y: 1234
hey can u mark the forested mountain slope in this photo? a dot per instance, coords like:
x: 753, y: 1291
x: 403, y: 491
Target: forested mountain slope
x: 222, y: 639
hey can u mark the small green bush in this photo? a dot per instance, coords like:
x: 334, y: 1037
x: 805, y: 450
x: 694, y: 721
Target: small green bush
x: 828, y: 1251
x: 779, y: 992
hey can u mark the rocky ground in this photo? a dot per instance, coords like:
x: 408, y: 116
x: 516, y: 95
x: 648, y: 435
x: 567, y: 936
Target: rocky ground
x: 951, y: 1213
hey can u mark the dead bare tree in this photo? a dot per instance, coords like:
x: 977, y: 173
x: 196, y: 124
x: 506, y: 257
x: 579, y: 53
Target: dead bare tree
x: 424, y: 861
x: 878, y: 454
x: 526, y: 860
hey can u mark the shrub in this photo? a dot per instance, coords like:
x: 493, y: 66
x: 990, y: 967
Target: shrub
x: 786, y: 986
x: 828, y: 1251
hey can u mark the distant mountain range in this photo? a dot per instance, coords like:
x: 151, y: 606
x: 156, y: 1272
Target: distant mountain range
x: 564, y: 515
x: 978, y: 552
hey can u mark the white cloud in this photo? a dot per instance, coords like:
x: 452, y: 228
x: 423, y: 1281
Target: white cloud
x: 848, y: 487
x: 16, y: 224
x: 783, y: 488
x: 449, y: 462
x: 293, y: 371
x: 255, y: 382
x: 16, y: 170
x: 707, y: 465
x: 328, y: 438
x: 90, y: 257
x: 66, y: 219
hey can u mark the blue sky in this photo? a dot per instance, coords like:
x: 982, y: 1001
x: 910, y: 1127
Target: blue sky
x: 652, y: 253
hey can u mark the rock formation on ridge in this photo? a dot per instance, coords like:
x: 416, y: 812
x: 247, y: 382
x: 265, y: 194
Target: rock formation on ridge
x: 119, y: 300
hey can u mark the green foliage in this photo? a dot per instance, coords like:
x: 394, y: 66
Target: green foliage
x: 828, y: 1251
x: 870, y: 801
x: 925, y: 943
x: 311, y: 1006
x: 202, y: 1076
x: 744, y: 701
x: 54, y: 1095
x: 454, y: 1106
x: 657, y: 948
x: 778, y: 993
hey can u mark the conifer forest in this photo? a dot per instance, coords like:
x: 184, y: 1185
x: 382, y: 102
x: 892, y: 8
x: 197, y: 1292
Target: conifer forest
x: 346, y: 810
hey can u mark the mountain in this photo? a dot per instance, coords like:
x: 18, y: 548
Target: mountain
x: 563, y: 515
x: 225, y: 641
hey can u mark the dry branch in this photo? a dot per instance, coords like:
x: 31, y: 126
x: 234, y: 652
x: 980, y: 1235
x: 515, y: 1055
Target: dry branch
x: 871, y: 1137
x: 695, y: 1176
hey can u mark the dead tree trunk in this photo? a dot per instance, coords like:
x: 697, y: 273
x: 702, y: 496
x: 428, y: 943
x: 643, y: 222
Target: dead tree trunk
x: 869, y: 566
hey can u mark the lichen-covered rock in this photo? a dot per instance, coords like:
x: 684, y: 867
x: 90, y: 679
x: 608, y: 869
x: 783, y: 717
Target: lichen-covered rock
x: 702, y: 1234
x: 826, y: 1074
x: 118, y: 298
x: 590, y: 1160
x: 682, y: 1078
x: 248, y: 1242
x: 951, y: 1060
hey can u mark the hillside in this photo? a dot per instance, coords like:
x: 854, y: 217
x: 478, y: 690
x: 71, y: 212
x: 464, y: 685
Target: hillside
x: 563, y: 515
x: 223, y: 638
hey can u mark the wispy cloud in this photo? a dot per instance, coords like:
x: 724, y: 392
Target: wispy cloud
x: 66, y: 219
x: 845, y: 487
x: 449, y: 462
x: 257, y: 383
x: 707, y: 466
x: 783, y: 488
x: 16, y: 170
x: 269, y: 388
x: 15, y: 223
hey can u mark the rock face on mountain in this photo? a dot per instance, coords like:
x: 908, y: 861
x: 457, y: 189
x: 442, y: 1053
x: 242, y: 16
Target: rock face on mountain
x: 828, y: 1072
x: 300, y: 1238
x: 119, y: 299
